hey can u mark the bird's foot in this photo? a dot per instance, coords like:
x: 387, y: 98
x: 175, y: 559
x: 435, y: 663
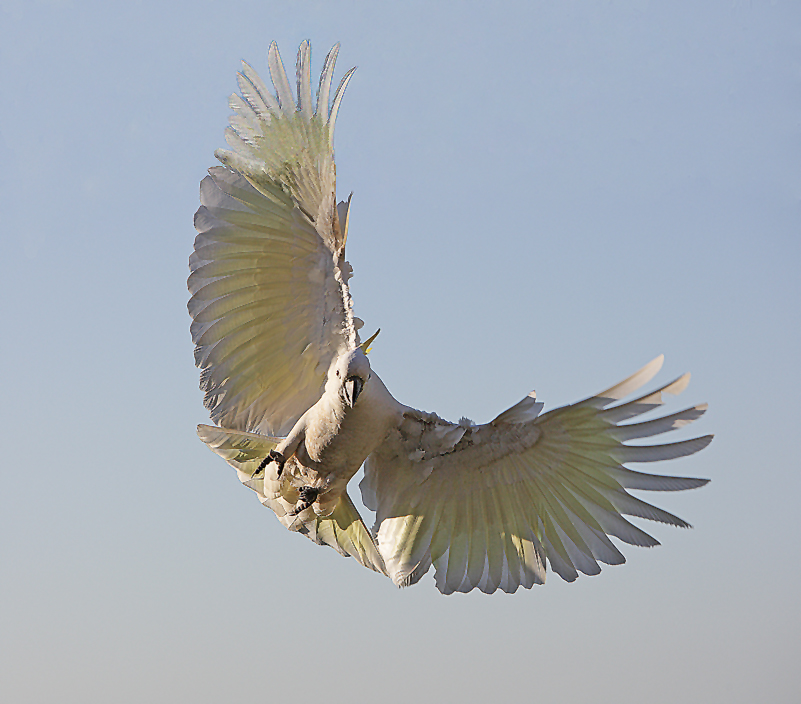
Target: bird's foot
x: 308, y: 495
x: 273, y: 456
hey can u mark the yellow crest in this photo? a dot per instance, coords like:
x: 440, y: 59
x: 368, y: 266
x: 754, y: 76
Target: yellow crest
x: 365, y: 346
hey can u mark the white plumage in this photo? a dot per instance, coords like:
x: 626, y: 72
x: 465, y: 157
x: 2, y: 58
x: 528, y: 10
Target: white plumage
x: 298, y: 409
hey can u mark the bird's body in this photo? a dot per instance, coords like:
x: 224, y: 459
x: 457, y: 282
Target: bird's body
x: 331, y: 441
x: 298, y: 409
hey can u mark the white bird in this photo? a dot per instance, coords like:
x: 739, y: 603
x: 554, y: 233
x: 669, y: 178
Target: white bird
x: 298, y: 409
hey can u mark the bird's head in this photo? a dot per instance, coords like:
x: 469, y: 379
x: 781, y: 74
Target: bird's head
x: 350, y: 374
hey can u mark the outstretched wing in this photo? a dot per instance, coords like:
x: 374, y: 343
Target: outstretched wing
x: 270, y: 303
x: 343, y: 530
x: 489, y: 504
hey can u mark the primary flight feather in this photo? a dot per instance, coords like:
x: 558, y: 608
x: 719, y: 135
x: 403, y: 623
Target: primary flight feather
x: 298, y: 409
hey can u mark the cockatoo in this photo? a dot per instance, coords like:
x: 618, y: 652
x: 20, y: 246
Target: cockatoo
x: 298, y: 409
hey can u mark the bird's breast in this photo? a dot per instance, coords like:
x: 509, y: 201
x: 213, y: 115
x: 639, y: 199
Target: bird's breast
x: 338, y: 440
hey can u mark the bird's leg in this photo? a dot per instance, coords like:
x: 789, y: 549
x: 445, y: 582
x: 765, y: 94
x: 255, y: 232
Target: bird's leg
x: 288, y: 447
x: 308, y: 495
x: 273, y: 456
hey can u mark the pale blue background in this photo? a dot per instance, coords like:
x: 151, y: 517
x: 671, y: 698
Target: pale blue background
x: 547, y: 195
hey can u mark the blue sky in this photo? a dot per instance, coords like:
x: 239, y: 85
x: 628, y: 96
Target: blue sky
x: 546, y: 196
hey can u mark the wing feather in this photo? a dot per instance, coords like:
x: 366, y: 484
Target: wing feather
x: 495, y: 548
x: 256, y: 92
x: 303, y: 70
x: 280, y: 81
x: 477, y: 548
x: 338, y: 99
x: 458, y: 548
x: 325, y: 82
x: 658, y: 426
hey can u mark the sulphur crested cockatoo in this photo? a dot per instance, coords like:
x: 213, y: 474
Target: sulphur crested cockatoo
x: 298, y: 409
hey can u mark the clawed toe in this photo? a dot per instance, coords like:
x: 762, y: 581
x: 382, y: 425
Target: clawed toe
x: 272, y: 456
x: 308, y: 495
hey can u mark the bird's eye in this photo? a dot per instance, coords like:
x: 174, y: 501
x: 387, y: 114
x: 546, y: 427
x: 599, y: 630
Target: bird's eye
x: 337, y: 372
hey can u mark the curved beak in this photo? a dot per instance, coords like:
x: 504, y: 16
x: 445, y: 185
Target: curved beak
x: 353, y: 387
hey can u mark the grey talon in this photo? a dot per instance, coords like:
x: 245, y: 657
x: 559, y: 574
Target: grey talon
x: 308, y: 495
x: 272, y: 456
